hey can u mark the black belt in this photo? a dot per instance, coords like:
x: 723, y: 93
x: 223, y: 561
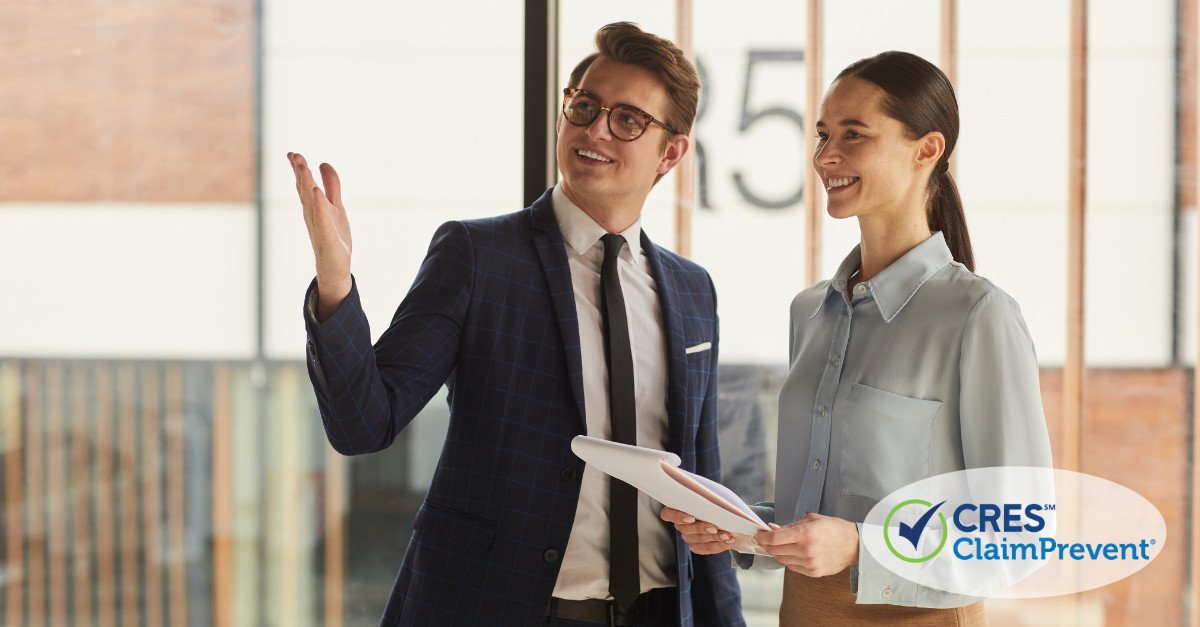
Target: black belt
x: 656, y: 605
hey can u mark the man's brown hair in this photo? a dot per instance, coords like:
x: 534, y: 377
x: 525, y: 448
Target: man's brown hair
x: 626, y: 43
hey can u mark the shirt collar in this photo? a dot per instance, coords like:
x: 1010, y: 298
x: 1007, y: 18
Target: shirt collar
x: 581, y: 232
x: 896, y: 285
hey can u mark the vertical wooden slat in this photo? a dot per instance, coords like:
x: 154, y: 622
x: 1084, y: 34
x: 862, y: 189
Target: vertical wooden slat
x: 949, y: 52
x: 151, y: 491
x: 14, y: 527
x: 812, y: 211
x: 106, y: 526
x: 222, y: 499
x: 949, y: 40
x: 335, y: 536
x: 1188, y: 98
x: 248, y: 447
x: 293, y: 567
x: 685, y: 172
x: 1189, y: 167
x: 56, y: 494
x: 81, y: 487
x: 35, y: 494
x: 1073, y: 372
x: 128, y: 477
x: 177, y: 557
x: 106, y: 545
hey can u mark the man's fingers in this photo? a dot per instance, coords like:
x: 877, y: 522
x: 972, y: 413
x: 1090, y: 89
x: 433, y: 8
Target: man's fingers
x: 323, y: 227
x: 303, y: 190
x: 701, y: 533
x: 300, y: 167
x: 710, y: 548
x: 675, y: 516
x: 333, y: 185
x: 304, y: 179
x: 305, y: 198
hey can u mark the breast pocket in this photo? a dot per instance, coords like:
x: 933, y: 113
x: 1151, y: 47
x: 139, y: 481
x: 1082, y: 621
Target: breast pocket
x: 884, y: 441
x: 699, y: 364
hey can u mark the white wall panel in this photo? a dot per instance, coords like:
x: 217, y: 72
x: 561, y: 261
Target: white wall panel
x: 129, y: 281
x: 753, y: 57
x: 447, y: 25
x: 862, y: 28
x: 418, y: 106
x: 1012, y: 156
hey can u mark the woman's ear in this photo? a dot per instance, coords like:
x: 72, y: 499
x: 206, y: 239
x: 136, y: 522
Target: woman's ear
x: 930, y: 149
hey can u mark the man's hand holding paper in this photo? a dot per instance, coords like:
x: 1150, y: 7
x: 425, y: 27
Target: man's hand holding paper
x: 703, y: 537
x: 684, y: 495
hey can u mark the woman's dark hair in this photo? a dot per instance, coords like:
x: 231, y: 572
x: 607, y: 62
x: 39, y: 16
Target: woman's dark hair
x: 919, y: 96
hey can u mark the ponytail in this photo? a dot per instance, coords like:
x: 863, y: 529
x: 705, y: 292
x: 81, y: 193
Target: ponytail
x: 946, y: 215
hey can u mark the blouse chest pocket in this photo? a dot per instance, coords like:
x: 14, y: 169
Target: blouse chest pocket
x: 885, y: 440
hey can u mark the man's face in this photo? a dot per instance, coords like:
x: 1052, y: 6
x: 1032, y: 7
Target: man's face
x: 600, y: 172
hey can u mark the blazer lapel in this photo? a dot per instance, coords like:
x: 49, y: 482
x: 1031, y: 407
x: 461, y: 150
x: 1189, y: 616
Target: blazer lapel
x: 672, y: 323
x: 550, y: 249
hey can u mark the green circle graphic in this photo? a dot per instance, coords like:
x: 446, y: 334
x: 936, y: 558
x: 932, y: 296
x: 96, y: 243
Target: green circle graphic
x: 887, y: 523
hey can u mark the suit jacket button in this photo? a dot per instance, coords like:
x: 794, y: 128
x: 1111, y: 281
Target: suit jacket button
x: 550, y: 556
x: 568, y: 474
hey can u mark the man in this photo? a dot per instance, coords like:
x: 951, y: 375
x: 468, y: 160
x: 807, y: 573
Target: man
x: 551, y: 322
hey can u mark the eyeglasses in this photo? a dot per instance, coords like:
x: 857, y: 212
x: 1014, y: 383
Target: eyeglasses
x: 625, y: 122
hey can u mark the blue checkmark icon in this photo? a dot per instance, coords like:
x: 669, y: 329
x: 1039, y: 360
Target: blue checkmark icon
x: 913, y: 533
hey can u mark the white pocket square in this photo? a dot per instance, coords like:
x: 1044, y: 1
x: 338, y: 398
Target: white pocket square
x: 697, y: 348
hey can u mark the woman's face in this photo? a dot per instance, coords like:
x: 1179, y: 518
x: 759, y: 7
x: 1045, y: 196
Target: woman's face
x: 868, y: 165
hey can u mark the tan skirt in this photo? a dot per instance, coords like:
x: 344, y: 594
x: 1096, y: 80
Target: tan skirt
x: 828, y: 601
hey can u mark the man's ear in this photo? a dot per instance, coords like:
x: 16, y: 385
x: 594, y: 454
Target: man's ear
x: 676, y: 148
x: 930, y: 149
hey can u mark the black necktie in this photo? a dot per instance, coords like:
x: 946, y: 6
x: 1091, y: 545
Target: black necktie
x: 623, y: 579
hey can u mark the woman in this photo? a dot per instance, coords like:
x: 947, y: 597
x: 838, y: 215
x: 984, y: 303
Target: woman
x: 904, y: 365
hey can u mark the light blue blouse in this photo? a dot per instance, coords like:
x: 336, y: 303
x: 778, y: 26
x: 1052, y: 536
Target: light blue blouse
x: 925, y: 369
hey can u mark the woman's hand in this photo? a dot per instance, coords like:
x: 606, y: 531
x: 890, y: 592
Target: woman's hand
x: 815, y: 545
x: 703, y: 538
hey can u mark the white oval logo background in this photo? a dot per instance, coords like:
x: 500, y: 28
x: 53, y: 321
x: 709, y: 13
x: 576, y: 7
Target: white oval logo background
x: 1029, y: 532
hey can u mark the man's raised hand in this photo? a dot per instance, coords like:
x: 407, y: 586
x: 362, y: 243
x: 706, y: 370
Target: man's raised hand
x: 328, y: 231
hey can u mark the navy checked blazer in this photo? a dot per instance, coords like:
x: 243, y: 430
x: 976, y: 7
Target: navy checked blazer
x: 492, y: 314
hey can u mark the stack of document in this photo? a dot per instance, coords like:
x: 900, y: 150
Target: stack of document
x: 658, y: 475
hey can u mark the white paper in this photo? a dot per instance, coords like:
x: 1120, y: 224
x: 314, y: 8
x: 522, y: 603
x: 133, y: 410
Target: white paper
x: 657, y: 474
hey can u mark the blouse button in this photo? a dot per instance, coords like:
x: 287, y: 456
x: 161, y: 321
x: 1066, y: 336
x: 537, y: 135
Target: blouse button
x: 817, y: 464
x: 861, y: 288
x: 837, y: 361
x: 824, y: 410
x: 887, y: 593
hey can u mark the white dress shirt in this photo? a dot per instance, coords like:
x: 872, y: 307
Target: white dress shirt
x: 584, y: 571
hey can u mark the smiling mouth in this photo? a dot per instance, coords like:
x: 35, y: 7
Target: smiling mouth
x: 593, y: 156
x: 840, y: 182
